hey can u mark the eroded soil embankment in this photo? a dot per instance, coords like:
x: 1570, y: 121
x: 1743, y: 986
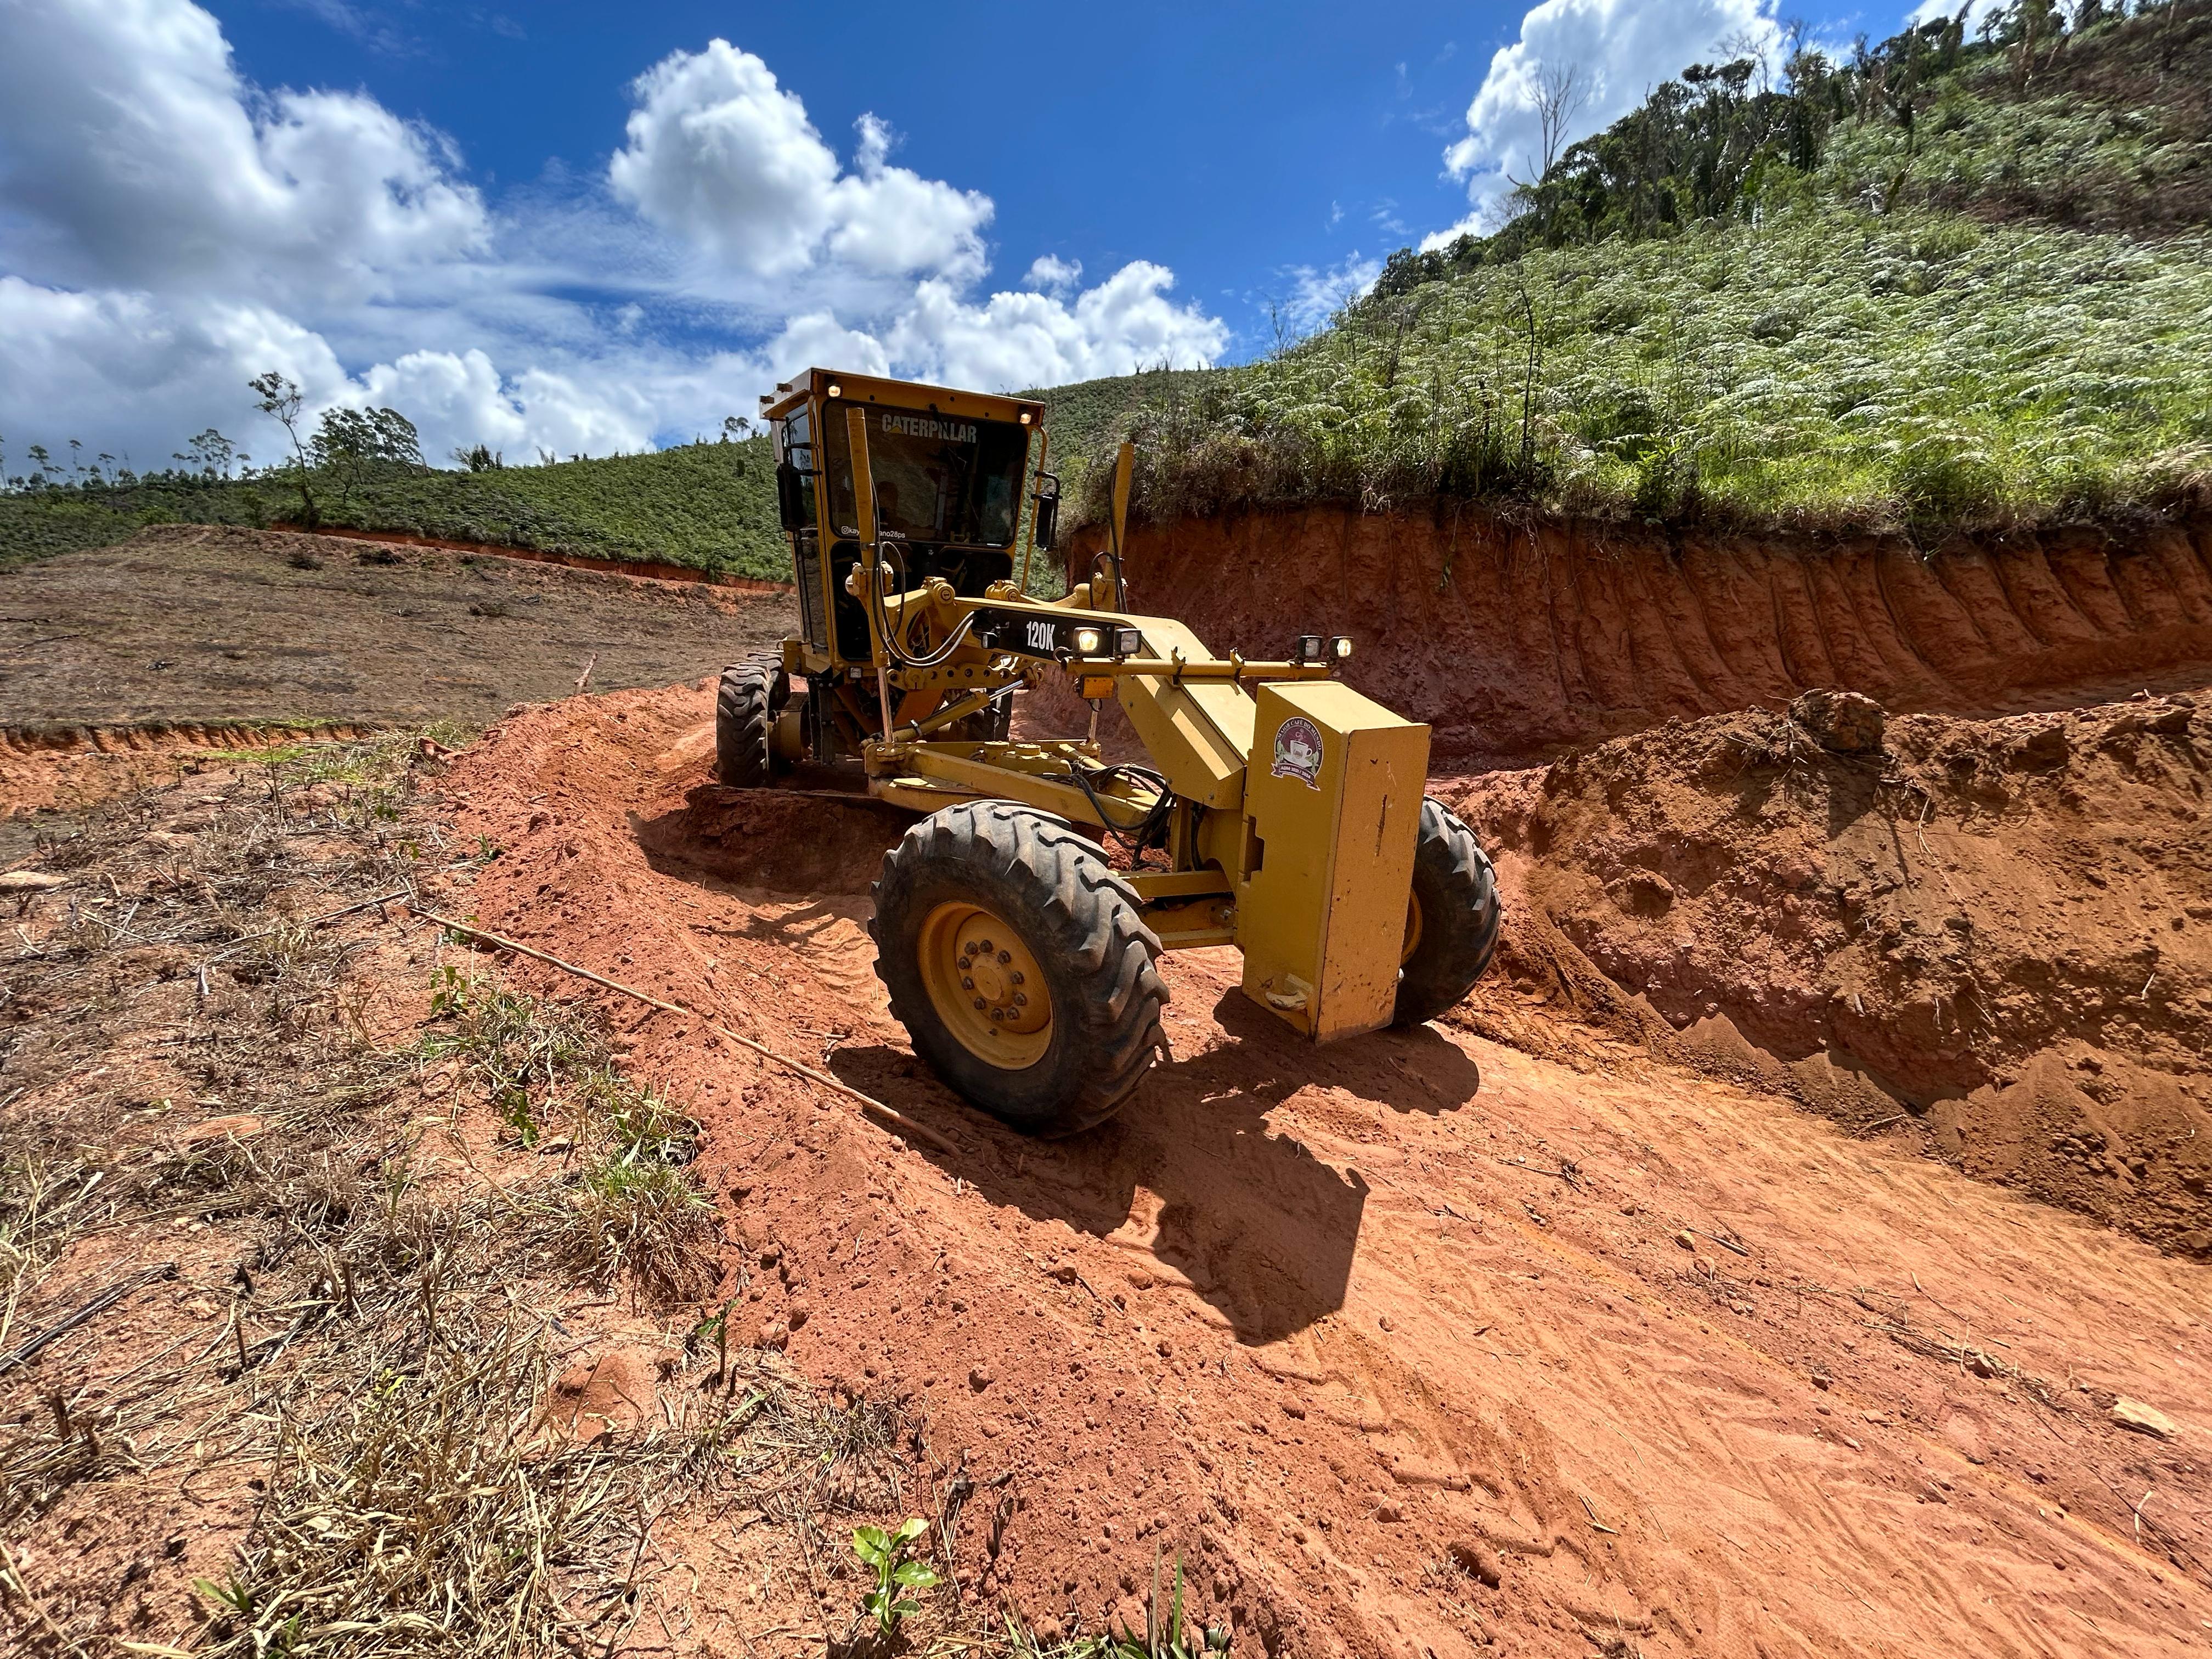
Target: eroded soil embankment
x: 1513, y: 640
x: 1998, y: 929
x: 1412, y: 1344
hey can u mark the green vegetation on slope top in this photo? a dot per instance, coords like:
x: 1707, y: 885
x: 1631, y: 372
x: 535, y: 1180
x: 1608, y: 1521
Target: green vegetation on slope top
x: 710, y: 505
x: 1774, y: 309
x: 1827, y: 368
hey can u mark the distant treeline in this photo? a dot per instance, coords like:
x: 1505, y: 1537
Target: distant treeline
x: 710, y: 504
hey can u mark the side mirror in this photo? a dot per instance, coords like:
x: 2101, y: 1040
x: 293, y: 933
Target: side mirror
x: 1047, y: 512
x: 791, y: 496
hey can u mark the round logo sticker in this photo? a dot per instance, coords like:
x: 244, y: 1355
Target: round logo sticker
x: 1298, y: 751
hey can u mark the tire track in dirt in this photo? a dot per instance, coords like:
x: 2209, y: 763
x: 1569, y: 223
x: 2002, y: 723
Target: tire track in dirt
x: 1314, y: 1318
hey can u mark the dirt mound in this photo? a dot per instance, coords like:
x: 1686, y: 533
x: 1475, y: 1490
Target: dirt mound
x: 1996, y: 927
x: 1355, y: 1331
x: 1514, y: 640
x: 786, y: 842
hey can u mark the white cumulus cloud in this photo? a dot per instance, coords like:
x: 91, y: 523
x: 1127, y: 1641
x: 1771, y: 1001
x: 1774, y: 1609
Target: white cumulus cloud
x: 1016, y: 340
x: 721, y: 156
x: 168, y: 229
x: 1617, y: 51
x: 1050, y: 274
x: 132, y: 153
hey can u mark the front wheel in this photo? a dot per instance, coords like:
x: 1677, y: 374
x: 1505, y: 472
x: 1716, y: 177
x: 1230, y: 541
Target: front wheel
x: 1451, y: 921
x: 1020, y: 965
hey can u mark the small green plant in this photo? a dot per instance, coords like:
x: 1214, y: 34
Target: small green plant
x: 885, y: 1553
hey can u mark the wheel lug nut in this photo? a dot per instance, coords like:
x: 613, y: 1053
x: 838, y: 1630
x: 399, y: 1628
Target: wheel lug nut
x: 1018, y: 977
x: 1021, y: 1001
x: 1006, y: 956
x: 985, y: 945
x: 967, y: 984
x: 979, y: 1002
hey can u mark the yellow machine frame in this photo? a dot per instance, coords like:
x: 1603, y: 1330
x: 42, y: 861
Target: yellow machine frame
x: 1295, y: 802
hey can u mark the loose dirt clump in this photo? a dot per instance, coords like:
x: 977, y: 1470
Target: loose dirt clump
x: 1995, y: 930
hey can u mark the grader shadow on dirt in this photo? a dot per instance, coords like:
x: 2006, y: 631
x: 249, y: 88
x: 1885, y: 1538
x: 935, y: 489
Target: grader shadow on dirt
x: 1194, y: 1178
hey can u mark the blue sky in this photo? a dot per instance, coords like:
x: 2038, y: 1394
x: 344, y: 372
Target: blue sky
x: 1233, y: 143
x: 566, y: 227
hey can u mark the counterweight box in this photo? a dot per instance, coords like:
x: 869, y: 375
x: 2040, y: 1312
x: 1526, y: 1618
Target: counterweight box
x: 1332, y: 812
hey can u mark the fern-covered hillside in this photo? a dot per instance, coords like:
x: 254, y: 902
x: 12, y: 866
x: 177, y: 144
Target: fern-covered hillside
x: 1949, y: 281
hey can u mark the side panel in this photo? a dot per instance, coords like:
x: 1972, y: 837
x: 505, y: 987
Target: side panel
x: 1378, y: 824
x: 1332, y: 810
x: 1198, y: 735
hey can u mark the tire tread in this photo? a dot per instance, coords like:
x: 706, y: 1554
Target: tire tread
x: 1074, y: 908
x: 1460, y: 919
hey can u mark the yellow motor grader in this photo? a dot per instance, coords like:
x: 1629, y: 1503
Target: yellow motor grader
x: 1281, y: 811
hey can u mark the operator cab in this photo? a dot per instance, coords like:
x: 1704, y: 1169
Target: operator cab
x: 949, y: 471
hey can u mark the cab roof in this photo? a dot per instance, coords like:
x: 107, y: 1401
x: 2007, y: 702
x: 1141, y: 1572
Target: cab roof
x: 792, y: 394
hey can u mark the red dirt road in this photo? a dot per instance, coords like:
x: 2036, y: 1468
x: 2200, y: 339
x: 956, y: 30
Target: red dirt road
x: 1357, y: 1330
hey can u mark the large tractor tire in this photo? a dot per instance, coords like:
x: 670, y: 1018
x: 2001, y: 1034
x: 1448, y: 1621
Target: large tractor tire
x: 1020, y: 964
x: 1451, y: 923
x: 746, y: 704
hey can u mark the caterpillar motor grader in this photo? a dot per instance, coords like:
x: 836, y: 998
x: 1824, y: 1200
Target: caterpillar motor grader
x: 1281, y: 811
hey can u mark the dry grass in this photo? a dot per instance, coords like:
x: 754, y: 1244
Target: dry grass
x: 625, y: 1202
x: 199, y: 1077
x: 381, y: 1351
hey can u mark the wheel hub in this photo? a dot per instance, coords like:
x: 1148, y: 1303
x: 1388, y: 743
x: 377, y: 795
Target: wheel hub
x: 986, y: 985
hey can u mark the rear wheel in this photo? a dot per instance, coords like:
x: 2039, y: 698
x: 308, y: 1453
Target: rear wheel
x: 1451, y: 920
x: 1020, y: 965
x: 747, y: 703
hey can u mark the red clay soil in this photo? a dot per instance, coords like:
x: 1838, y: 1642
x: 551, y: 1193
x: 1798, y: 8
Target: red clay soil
x: 1994, y: 930
x: 1514, y: 640
x: 1414, y: 1345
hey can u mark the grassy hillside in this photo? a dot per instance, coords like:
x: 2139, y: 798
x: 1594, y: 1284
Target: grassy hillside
x: 711, y: 505
x: 1089, y: 418
x: 1825, y: 368
x: 1948, y: 283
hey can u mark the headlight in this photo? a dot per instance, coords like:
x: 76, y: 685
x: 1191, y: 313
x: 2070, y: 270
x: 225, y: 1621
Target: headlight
x: 1087, y: 641
x: 1340, y: 646
x: 1128, y: 643
x: 1308, y: 649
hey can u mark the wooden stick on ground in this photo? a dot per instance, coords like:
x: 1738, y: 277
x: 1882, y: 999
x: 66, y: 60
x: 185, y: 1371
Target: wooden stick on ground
x: 98, y: 1305
x: 890, y: 1115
